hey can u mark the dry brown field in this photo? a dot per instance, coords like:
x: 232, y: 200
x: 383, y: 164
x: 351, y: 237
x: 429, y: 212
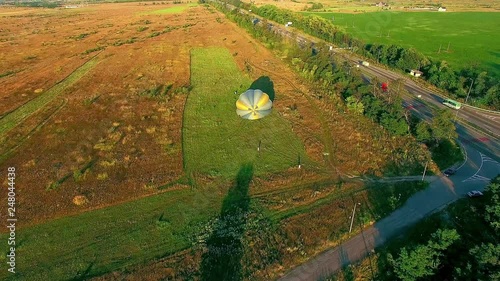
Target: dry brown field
x: 124, y: 144
x: 102, y: 140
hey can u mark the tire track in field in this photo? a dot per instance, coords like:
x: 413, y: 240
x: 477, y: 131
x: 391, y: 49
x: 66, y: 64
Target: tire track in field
x: 11, y: 150
x: 15, y: 117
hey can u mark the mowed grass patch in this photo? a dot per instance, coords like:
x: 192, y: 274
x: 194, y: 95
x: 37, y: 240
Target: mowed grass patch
x: 105, y: 240
x: 471, y: 35
x: 216, y: 141
x: 15, y: 117
x: 171, y: 10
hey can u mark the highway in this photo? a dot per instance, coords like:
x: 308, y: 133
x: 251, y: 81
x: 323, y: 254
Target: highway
x: 473, y: 174
x: 478, y: 135
x: 486, y: 121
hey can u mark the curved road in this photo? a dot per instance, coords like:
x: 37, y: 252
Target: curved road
x: 474, y: 174
x: 478, y: 132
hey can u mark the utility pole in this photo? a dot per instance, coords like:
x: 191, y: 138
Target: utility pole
x: 423, y: 175
x: 352, y: 218
x: 468, y: 93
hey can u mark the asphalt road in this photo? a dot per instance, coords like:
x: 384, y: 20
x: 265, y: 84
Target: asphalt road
x: 478, y: 132
x: 473, y: 174
x: 486, y: 121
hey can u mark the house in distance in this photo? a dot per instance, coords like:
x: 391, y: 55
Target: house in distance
x: 416, y: 73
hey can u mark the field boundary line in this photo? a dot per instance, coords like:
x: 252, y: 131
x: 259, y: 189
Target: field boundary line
x: 17, y: 116
x: 11, y: 150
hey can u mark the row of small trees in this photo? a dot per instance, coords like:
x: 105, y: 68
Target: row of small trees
x: 339, y: 78
x: 343, y: 85
x: 485, y: 89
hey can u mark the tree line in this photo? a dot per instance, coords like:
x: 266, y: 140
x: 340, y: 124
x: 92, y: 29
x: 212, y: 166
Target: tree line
x: 483, y: 88
x: 337, y: 77
x: 338, y: 80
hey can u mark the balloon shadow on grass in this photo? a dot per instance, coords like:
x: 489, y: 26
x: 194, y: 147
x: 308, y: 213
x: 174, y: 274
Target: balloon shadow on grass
x: 265, y: 84
x: 222, y: 261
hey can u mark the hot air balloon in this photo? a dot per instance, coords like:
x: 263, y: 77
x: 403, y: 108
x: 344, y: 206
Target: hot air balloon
x: 253, y: 104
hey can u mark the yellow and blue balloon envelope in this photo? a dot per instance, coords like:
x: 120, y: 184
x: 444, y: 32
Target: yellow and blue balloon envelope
x: 253, y: 104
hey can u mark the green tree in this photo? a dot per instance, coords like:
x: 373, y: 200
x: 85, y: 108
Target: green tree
x: 423, y: 132
x: 492, y: 214
x: 492, y: 97
x: 354, y: 105
x: 420, y: 262
x: 487, y: 256
x: 442, y: 125
x: 443, y: 238
x: 394, y: 124
x: 410, y: 59
x: 424, y: 260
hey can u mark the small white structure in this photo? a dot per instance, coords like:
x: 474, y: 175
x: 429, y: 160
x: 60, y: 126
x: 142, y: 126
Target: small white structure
x: 331, y: 48
x: 416, y: 73
x: 381, y: 4
x: 442, y: 9
x: 365, y: 63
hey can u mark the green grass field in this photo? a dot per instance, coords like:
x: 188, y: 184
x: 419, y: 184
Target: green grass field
x: 101, y: 241
x: 472, y: 35
x: 172, y: 10
x: 216, y: 141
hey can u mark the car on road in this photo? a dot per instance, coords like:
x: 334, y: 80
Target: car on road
x: 449, y: 172
x: 474, y: 193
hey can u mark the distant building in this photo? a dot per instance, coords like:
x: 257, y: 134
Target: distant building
x: 416, y: 73
x: 442, y: 9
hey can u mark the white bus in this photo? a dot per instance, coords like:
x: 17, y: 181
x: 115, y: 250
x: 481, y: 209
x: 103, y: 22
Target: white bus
x: 453, y: 104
